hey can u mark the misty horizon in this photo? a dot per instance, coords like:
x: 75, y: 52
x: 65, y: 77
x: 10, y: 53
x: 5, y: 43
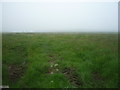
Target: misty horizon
x: 60, y: 17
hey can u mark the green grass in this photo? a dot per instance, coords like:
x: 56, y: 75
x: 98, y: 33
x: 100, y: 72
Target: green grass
x: 94, y: 58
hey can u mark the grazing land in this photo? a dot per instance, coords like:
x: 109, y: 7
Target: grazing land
x: 60, y: 60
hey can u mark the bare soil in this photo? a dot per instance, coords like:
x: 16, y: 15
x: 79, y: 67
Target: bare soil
x: 16, y: 71
x: 72, y: 77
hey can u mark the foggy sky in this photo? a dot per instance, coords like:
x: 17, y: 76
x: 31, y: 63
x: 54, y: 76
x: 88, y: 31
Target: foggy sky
x: 53, y: 17
x: 0, y: 17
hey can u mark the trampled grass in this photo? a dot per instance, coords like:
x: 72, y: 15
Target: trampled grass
x: 49, y: 60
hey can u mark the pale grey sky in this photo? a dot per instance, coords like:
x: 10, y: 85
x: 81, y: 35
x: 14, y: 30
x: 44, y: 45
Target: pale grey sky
x: 0, y: 17
x: 47, y: 17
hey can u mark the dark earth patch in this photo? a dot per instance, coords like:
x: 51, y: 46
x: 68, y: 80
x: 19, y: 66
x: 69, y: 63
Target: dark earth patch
x: 52, y: 69
x: 16, y: 71
x: 52, y: 55
x: 73, y: 78
x: 51, y: 61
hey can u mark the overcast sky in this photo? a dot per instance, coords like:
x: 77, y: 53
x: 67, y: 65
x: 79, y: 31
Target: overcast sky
x: 64, y: 16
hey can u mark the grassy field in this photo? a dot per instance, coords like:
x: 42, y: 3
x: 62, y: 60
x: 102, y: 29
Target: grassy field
x: 49, y: 60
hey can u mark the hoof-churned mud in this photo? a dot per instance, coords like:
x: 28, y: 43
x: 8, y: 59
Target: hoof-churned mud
x: 16, y: 71
x: 72, y: 77
x: 54, y: 67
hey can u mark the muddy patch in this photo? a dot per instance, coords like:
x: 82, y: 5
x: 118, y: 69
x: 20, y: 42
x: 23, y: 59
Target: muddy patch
x: 72, y: 77
x: 16, y: 71
x: 53, y: 70
x: 51, y: 61
x: 54, y: 67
